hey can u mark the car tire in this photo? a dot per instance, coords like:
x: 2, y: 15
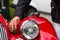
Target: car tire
x: 30, y: 11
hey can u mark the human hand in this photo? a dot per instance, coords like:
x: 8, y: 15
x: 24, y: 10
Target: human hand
x: 13, y: 24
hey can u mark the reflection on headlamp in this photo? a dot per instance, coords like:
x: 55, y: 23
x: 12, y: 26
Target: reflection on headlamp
x: 29, y: 29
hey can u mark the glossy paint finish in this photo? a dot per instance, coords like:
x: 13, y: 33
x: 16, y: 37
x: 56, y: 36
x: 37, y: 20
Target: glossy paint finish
x: 46, y: 30
x: 2, y: 20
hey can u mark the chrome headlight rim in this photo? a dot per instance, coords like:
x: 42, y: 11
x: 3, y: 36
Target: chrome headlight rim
x: 27, y: 36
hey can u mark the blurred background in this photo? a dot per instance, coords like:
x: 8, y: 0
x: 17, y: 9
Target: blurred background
x: 42, y: 6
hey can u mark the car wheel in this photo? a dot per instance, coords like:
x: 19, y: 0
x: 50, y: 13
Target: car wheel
x: 31, y: 11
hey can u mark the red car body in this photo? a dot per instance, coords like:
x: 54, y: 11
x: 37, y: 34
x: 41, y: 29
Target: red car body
x: 46, y: 30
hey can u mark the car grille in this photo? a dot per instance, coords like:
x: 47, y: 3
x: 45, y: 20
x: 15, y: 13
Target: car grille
x: 3, y: 35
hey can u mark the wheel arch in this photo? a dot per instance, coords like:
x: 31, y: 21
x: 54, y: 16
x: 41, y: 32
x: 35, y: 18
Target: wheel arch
x: 32, y: 7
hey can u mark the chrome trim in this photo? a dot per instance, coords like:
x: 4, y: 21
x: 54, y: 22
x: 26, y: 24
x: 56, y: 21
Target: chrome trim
x: 3, y: 34
x: 25, y: 35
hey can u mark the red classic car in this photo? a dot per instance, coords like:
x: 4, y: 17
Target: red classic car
x: 30, y: 28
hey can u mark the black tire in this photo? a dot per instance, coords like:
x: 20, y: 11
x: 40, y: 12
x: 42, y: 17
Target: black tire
x: 31, y: 10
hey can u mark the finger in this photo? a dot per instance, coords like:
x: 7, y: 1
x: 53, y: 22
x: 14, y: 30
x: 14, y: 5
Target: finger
x: 11, y: 27
x: 15, y: 25
x: 18, y: 21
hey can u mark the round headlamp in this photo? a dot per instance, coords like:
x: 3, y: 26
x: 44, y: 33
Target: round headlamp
x: 30, y: 29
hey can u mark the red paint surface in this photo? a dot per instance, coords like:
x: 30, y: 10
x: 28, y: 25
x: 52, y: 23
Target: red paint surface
x: 46, y: 30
